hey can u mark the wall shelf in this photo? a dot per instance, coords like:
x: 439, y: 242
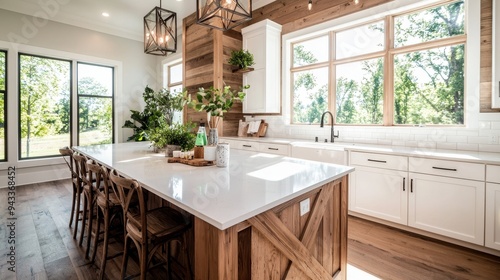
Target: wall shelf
x: 244, y: 70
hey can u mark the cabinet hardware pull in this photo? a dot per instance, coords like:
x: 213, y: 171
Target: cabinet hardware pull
x: 404, y: 180
x: 375, y: 160
x: 411, y: 185
x: 274, y: 149
x: 446, y: 169
x: 248, y: 146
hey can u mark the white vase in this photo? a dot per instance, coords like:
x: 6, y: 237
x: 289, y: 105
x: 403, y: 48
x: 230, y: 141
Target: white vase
x: 222, y: 154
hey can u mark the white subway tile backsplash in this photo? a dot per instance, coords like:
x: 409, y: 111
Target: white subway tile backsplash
x: 421, y: 137
x: 459, y: 138
x: 427, y: 145
x: 456, y: 139
x: 478, y: 140
x: 467, y: 132
x: 446, y: 146
x: 468, y: 147
x: 384, y: 142
x: 484, y: 125
x: 495, y: 125
x: 489, y: 148
x: 398, y: 143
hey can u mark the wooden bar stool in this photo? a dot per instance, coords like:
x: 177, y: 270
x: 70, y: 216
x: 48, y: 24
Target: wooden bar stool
x: 149, y: 230
x: 68, y: 152
x: 109, y: 208
x: 88, y: 200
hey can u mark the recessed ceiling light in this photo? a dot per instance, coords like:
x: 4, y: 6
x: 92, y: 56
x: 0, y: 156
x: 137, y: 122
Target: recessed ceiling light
x: 104, y: 14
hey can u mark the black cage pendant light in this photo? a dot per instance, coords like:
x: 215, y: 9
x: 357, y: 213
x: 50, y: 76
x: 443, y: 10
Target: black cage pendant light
x: 223, y: 14
x: 160, y: 32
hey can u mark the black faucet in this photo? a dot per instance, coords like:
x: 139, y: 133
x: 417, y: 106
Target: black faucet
x: 332, y: 134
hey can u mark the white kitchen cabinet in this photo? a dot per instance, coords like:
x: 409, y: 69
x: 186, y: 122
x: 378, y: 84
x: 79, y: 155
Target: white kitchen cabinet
x: 379, y: 193
x: 492, y: 227
x: 263, y: 40
x: 378, y: 187
x: 449, y: 204
x: 320, y: 154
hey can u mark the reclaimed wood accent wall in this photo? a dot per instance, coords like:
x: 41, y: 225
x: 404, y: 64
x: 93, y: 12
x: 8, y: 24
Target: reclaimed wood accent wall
x: 205, y: 55
x: 486, y: 56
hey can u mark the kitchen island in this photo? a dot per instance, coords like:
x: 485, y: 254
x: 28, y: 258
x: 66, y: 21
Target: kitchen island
x: 263, y: 216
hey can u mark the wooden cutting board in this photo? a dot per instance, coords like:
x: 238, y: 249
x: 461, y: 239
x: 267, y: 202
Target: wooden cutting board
x: 193, y: 162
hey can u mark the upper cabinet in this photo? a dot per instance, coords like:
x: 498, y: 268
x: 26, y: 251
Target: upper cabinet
x: 495, y: 102
x: 263, y: 40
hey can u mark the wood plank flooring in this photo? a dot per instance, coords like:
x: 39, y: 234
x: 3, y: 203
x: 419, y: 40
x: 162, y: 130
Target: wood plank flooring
x: 45, y: 248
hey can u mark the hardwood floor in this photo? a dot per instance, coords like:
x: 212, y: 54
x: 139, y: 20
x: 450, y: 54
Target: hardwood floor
x: 45, y: 248
x: 390, y: 253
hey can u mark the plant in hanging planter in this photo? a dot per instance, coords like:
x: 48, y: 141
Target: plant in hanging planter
x: 241, y: 59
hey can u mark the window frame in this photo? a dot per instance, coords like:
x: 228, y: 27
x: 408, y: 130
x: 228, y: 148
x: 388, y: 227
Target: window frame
x: 387, y: 54
x: 19, y: 136
x: 5, y: 107
x: 78, y: 95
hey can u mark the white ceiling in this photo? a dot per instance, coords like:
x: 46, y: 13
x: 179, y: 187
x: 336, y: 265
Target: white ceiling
x: 126, y: 16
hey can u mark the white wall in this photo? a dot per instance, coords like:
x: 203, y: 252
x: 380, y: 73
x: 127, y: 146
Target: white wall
x: 134, y: 70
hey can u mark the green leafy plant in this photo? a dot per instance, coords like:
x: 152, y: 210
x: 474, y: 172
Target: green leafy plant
x: 180, y: 135
x: 160, y: 107
x: 241, y: 58
x: 215, y: 101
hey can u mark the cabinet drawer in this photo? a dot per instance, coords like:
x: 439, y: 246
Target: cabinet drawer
x: 249, y: 146
x: 278, y: 149
x: 493, y: 173
x: 379, y: 161
x: 456, y: 169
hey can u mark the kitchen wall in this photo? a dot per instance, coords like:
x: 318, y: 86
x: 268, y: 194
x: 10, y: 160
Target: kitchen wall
x: 481, y: 132
x: 134, y: 70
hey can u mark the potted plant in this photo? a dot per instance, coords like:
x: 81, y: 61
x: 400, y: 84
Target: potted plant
x: 179, y: 137
x: 160, y: 107
x: 242, y: 59
x: 215, y: 102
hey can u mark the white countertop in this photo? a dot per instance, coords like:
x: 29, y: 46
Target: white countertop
x: 469, y: 156
x: 251, y: 184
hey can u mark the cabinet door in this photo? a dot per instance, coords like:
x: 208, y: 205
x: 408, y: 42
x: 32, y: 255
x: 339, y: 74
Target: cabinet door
x: 447, y: 206
x: 255, y: 100
x: 492, y: 216
x: 380, y: 193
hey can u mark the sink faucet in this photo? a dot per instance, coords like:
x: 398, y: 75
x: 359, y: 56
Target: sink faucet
x: 332, y: 134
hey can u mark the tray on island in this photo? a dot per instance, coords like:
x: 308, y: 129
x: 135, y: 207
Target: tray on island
x: 193, y: 162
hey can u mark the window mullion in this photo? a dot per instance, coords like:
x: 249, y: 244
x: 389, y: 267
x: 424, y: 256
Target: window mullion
x: 388, y: 118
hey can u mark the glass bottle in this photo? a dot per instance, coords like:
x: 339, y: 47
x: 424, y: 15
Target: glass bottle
x: 201, y: 136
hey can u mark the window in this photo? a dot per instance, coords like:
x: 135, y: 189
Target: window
x: 406, y: 69
x: 95, y: 104
x: 44, y: 105
x: 173, y: 82
x: 3, y: 93
x: 46, y: 100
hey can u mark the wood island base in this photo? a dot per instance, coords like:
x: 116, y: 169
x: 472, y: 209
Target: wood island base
x: 279, y: 243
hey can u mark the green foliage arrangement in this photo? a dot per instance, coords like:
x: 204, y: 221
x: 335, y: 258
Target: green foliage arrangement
x: 241, y: 58
x: 160, y: 107
x: 181, y: 135
x: 214, y: 101
x: 175, y: 134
